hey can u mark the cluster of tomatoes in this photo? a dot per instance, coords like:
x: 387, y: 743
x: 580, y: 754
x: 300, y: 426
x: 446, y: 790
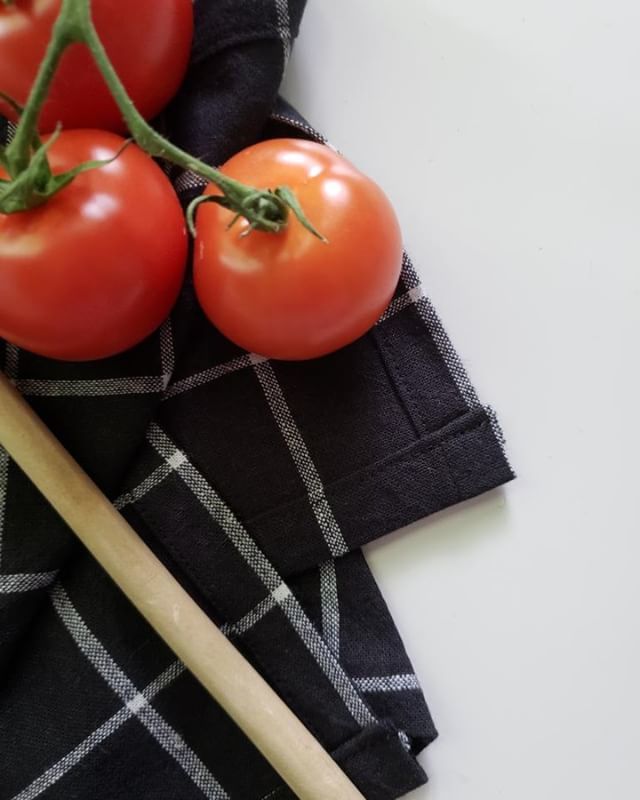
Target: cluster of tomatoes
x: 98, y: 267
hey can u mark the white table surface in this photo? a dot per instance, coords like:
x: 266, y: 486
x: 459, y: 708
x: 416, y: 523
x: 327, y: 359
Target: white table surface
x: 507, y: 134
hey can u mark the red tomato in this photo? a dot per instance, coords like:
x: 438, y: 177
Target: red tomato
x: 99, y: 266
x: 290, y: 295
x: 148, y: 42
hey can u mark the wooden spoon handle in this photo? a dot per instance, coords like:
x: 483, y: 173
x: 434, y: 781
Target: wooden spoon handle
x: 282, y: 739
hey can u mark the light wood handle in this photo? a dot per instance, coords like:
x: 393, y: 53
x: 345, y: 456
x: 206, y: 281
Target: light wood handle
x: 281, y: 738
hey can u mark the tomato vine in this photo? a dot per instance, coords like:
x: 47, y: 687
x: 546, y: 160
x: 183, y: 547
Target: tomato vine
x: 30, y: 182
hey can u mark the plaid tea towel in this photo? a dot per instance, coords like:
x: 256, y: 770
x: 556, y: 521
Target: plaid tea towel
x: 256, y: 482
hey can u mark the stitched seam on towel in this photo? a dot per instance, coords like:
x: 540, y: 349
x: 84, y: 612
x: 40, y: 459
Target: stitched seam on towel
x: 400, y: 386
x: 374, y: 469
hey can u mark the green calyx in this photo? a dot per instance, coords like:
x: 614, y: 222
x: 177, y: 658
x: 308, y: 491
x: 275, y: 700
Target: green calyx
x: 36, y: 184
x: 32, y: 186
x: 267, y: 210
x: 31, y: 182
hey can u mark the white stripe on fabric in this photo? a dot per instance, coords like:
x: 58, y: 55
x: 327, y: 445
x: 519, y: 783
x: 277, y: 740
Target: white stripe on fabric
x: 302, y: 458
x: 451, y: 358
x: 75, y: 756
x: 211, y: 374
x: 263, y: 568
x: 284, y: 26
x: 11, y: 358
x: 281, y: 593
x: 158, y: 727
x: 216, y: 508
x: 167, y: 352
x: 301, y: 126
x: 400, y: 303
x: 100, y: 387
x: 440, y: 337
x: 326, y: 660
x: 408, y: 273
x: 250, y: 619
x: 19, y: 582
x: 330, y: 605
x: 11, y: 131
x: 4, y: 480
x: 188, y: 180
x: 498, y: 433
x: 388, y: 683
x: 155, y: 479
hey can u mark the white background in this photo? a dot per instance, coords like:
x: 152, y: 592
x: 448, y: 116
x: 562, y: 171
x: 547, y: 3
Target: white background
x: 507, y: 134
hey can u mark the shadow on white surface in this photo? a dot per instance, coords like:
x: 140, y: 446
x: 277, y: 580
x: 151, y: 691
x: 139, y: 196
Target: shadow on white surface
x: 404, y: 562
x: 448, y: 532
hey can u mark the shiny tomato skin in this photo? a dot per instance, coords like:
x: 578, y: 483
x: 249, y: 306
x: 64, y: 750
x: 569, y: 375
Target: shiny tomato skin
x: 148, y: 42
x: 289, y: 295
x: 98, y: 267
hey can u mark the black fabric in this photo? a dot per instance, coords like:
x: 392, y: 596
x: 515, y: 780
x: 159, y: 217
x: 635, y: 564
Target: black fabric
x: 256, y: 482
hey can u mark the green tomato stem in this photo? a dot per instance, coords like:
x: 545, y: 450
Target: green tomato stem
x: 266, y: 210
x: 18, y: 153
x: 150, y: 140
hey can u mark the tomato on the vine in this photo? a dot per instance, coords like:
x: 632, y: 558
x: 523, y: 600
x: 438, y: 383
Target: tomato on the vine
x: 98, y: 267
x: 290, y: 295
x: 148, y: 42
